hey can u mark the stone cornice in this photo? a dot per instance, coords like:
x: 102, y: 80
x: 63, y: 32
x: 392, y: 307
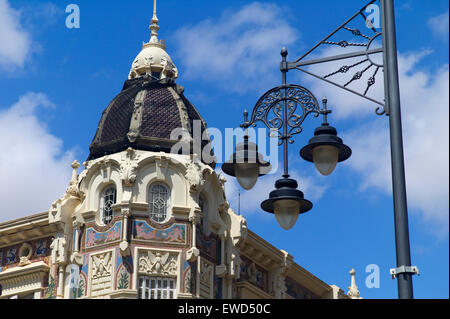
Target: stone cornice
x: 124, y: 294
x: 23, y: 279
x: 23, y: 271
x: 26, y: 229
x: 20, y: 222
x: 253, y: 289
x: 262, y: 252
x: 309, y: 281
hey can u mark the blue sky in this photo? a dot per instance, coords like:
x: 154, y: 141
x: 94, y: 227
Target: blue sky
x: 55, y: 82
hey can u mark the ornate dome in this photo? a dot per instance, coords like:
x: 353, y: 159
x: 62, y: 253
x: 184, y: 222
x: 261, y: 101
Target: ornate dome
x: 143, y: 116
x: 149, y: 108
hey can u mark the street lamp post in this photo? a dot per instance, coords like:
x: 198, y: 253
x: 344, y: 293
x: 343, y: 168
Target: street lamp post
x: 278, y: 107
x: 283, y: 110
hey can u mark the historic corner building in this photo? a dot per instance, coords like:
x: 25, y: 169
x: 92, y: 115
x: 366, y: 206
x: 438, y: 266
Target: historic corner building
x: 142, y: 222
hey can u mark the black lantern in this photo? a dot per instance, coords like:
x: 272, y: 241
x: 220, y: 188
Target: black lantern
x: 246, y: 164
x: 325, y: 149
x: 286, y: 202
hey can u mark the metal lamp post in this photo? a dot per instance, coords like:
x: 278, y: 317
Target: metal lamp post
x: 277, y: 109
x: 390, y: 107
x: 283, y: 110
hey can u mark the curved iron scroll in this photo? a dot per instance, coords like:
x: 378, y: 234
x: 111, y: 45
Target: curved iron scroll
x: 300, y: 102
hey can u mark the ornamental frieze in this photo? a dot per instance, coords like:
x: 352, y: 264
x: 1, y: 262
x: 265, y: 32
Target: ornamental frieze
x: 254, y: 274
x: 175, y: 234
x: 37, y: 250
x: 296, y: 291
x: 94, y: 238
x: 158, y: 263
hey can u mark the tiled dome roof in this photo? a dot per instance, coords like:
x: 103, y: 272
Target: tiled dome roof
x: 143, y: 116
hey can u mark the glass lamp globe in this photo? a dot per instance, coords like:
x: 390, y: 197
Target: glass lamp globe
x: 325, y: 149
x: 325, y: 158
x: 247, y: 174
x: 286, y: 212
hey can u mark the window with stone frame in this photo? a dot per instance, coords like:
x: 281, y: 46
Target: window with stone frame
x: 159, y: 200
x: 157, y: 288
x: 107, y: 200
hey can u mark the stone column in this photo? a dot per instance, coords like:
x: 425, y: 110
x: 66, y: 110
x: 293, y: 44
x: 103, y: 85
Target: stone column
x: 124, y: 245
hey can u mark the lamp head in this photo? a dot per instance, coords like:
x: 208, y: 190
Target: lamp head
x: 325, y: 149
x: 286, y: 202
x: 246, y: 164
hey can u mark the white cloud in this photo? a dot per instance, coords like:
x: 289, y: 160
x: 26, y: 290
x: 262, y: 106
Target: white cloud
x: 439, y: 25
x: 15, y: 43
x: 35, y: 168
x: 425, y: 113
x: 238, y: 49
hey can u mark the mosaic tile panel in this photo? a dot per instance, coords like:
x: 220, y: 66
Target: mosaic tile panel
x: 96, y: 238
x: 174, y: 234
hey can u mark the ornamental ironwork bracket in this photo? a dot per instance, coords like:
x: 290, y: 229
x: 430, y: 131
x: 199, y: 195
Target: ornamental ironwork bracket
x: 300, y: 103
x: 362, y: 67
x: 404, y: 270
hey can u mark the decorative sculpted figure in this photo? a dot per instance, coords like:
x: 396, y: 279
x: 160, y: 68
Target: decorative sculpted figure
x: 102, y: 265
x: 158, y: 264
x: 128, y: 167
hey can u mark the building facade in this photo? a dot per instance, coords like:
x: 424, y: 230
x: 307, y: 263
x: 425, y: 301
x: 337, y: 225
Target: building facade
x: 143, y: 221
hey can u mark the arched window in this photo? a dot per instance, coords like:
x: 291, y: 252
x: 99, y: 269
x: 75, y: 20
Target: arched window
x: 106, y: 201
x: 159, y: 202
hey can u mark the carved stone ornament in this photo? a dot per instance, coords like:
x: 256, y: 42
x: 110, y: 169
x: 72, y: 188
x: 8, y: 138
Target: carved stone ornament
x: 76, y: 258
x: 222, y: 181
x: 252, y: 273
x: 206, y: 272
x: 126, y: 212
x: 148, y: 60
x: 59, y: 251
x: 73, y: 185
x: 235, y: 267
x: 279, y: 276
x: 125, y: 248
x: 134, y: 129
x: 158, y: 263
x: 25, y: 252
x: 353, y: 291
x: 162, y: 164
x: 193, y: 176
x: 221, y: 271
x: 105, y: 168
x: 102, y: 265
x: 192, y: 254
x: 279, y: 284
x: 188, y: 281
x: 128, y: 167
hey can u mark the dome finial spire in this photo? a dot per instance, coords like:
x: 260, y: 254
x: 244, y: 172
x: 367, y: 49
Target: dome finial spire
x: 154, y: 25
x: 353, y: 291
x: 153, y: 59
